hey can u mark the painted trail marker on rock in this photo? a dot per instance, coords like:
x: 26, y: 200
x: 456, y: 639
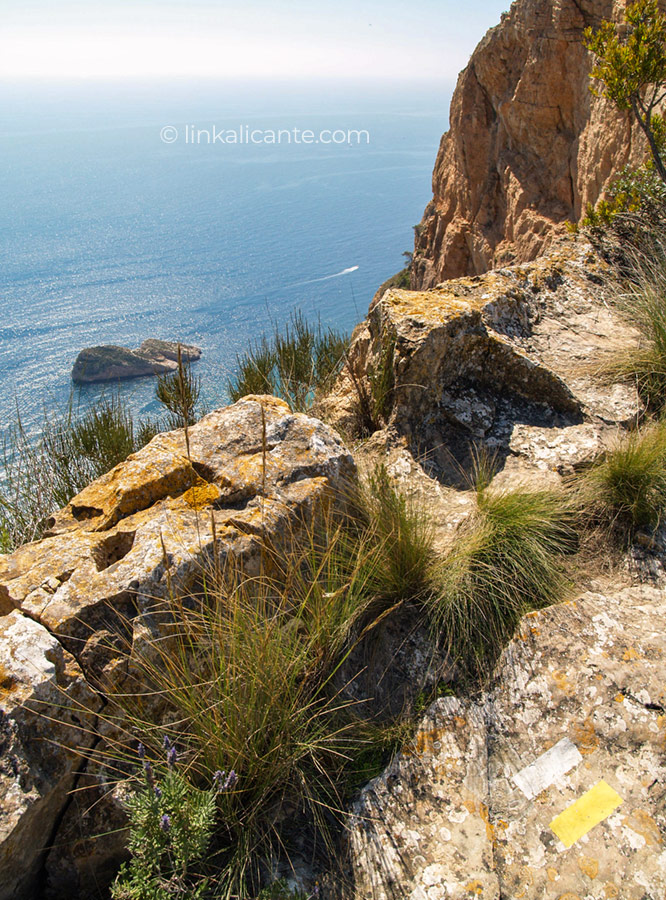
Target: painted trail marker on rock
x: 547, y: 768
x: 589, y: 810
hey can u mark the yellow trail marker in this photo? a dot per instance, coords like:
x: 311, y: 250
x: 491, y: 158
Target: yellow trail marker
x: 590, y: 809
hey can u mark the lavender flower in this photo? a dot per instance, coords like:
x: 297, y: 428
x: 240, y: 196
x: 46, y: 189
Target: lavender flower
x: 158, y: 792
x: 165, y: 822
x: 150, y: 775
x: 224, y: 782
x: 172, y: 757
x: 141, y: 751
x: 166, y: 742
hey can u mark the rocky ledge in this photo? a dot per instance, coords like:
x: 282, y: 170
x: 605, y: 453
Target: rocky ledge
x: 110, y: 363
x: 74, y: 605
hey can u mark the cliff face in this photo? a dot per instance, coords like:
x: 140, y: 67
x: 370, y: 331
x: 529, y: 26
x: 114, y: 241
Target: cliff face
x: 528, y: 147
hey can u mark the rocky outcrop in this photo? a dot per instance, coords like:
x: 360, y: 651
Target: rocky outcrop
x: 528, y: 145
x: 575, y: 715
x: 111, y: 363
x: 78, y: 607
x: 504, y: 361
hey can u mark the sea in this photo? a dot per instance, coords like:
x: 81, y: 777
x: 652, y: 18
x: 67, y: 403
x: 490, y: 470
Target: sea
x: 120, y: 219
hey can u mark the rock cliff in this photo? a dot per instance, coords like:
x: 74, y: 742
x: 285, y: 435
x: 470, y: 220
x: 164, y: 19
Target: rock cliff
x: 528, y: 145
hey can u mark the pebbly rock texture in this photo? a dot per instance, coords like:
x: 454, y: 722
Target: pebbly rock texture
x: 95, y: 592
x: 528, y: 145
x: 506, y: 361
x: 111, y: 363
x: 453, y: 819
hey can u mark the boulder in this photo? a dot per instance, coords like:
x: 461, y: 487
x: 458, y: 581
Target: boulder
x: 97, y: 588
x: 111, y: 363
x: 506, y: 361
x: 479, y: 804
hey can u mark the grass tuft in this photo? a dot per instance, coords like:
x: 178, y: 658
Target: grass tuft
x: 40, y: 475
x: 644, y: 307
x: 626, y: 487
x: 507, y: 560
x: 249, y: 673
x: 298, y: 364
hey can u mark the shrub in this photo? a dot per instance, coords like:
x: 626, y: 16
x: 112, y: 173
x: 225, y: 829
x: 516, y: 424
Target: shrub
x: 40, y: 475
x: 626, y: 487
x: 179, y: 393
x: 171, y: 826
x: 297, y: 364
x: 632, y: 210
x: 506, y: 560
x: 247, y: 671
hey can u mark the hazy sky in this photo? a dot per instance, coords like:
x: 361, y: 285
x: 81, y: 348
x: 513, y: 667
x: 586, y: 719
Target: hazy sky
x: 292, y: 38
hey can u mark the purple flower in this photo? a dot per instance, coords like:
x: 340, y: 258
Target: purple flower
x: 158, y: 792
x: 141, y: 751
x: 166, y: 742
x: 224, y: 782
x: 150, y: 775
x: 172, y: 756
x: 165, y: 822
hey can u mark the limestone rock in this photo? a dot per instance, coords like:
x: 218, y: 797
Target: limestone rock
x: 111, y: 363
x: 504, y: 361
x: 449, y: 819
x: 99, y: 581
x: 528, y: 145
x: 46, y: 718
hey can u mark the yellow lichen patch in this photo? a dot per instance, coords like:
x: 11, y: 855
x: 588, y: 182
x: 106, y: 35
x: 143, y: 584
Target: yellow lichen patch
x: 588, y: 866
x: 553, y: 874
x: 611, y: 890
x: 585, y: 737
x: 563, y: 683
x: 630, y: 654
x: 475, y: 888
x: 201, y: 495
x: 7, y: 681
x: 642, y: 823
x: 619, y: 698
x: 490, y: 828
x: 425, y: 741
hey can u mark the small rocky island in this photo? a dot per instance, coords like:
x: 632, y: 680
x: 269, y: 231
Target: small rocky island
x: 111, y: 363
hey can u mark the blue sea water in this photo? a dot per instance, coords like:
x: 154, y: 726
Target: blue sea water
x: 109, y: 235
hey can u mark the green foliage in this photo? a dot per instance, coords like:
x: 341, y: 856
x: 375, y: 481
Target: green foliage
x: 506, y: 560
x: 40, y: 475
x: 644, y: 308
x: 631, y: 67
x: 402, y: 533
x: 179, y: 393
x: 637, y: 193
x: 249, y: 673
x: 297, y: 364
x: 382, y: 379
x: 626, y: 487
x: 171, y: 826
